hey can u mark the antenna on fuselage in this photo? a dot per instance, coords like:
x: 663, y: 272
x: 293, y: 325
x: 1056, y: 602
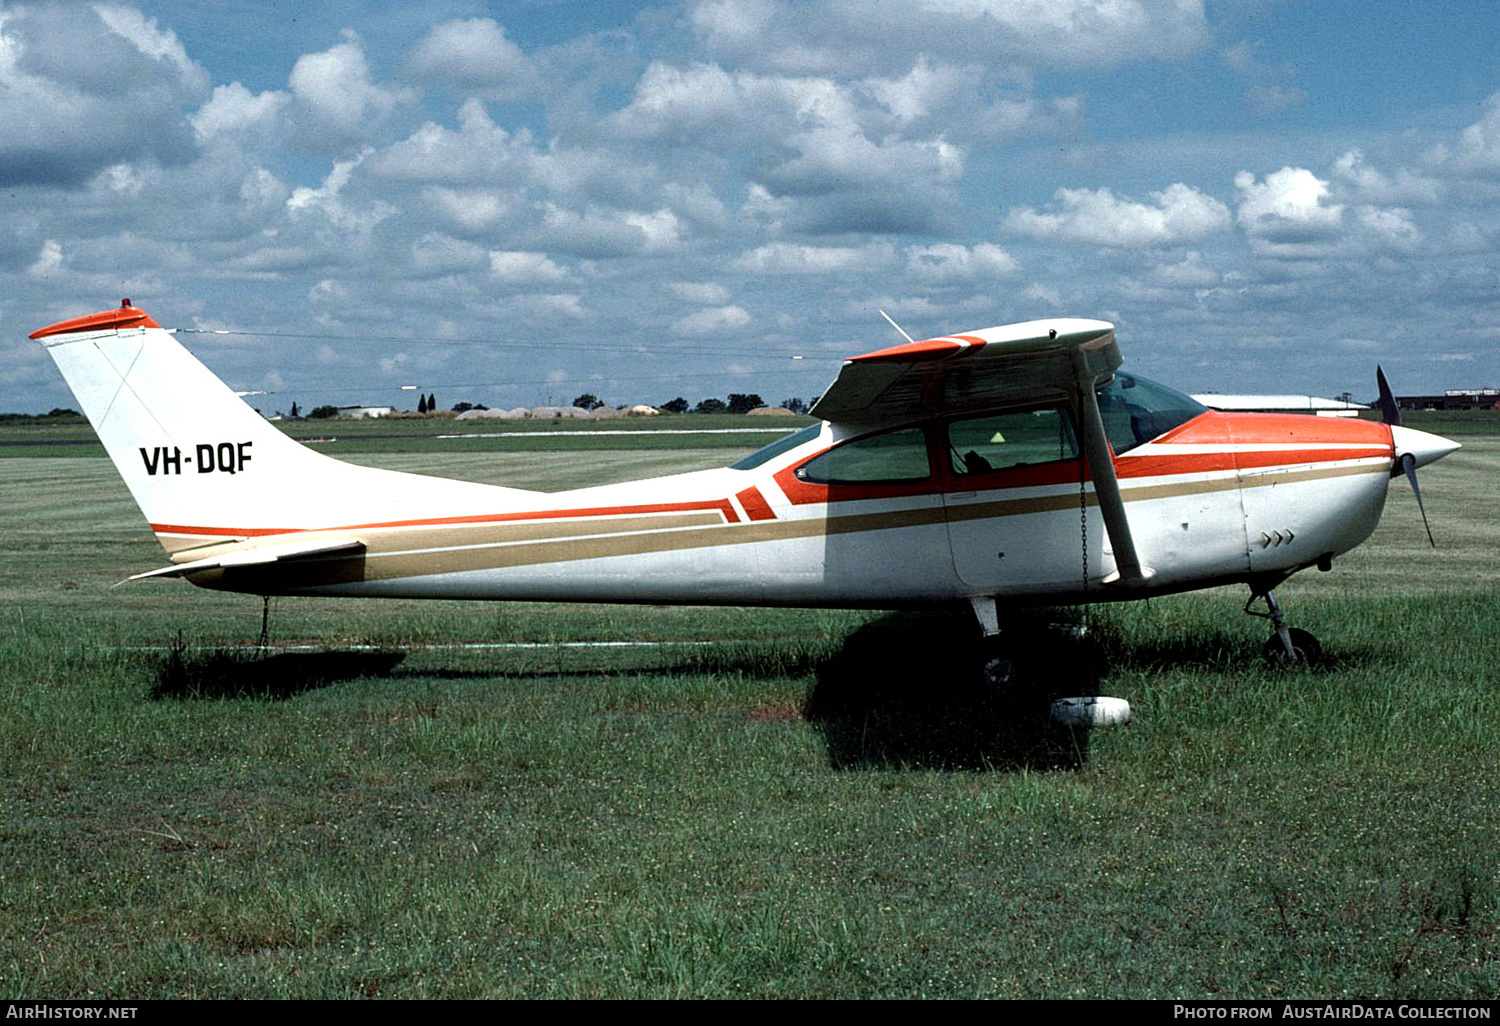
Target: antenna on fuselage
x: 897, y: 327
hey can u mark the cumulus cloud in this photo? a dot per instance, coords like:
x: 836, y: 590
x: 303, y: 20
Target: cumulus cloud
x: 1271, y: 92
x: 712, y: 321
x: 1190, y: 272
x: 591, y: 233
x: 817, y: 122
x: 1179, y: 214
x: 1266, y: 100
x: 123, y: 180
x: 961, y: 103
x: 156, y: 44
x: 436, y: 253
x: 48, y: 262
x: 1039, y: 293
x: 660, y: 230
x: 727, y: 155
x: 819, y: 141
x: 337, y: 100
x: 476, y: 58
x: 518, y: 267
x: 765, y: 207
x: 1356, y: 179
x: 470, y: 209
x: 705, y: 292
x: 1288, y: 207
x: 480, y: 152
x: 1477, y: 151
x: 328, y: 200
x: 261, y: 190
x: 697, y: 203
x: 733, y: 25
x: 947, y: 262
x: 551, y: 305
x: 83, y: 88
x: 792, y: 258
x: 1390, y: 226
x: 235, y: 111
x: 822, y: 35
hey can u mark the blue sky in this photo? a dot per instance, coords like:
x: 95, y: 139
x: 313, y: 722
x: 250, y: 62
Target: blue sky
x: 513, y: 203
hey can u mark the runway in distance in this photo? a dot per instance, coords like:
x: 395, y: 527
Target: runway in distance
x: 1006, y: 467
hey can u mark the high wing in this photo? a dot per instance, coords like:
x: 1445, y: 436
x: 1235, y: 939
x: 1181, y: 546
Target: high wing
x: 1015, y: 364
x: 1062, y: 360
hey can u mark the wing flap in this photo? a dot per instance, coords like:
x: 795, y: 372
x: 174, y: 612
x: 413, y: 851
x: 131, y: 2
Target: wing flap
x: 260, y: 555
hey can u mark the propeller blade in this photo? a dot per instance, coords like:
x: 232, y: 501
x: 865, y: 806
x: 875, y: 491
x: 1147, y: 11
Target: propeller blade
x: 1409, y: 464
x: 1389, y: 411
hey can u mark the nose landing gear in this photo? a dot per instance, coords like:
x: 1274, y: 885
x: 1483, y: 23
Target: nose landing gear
x: 1288, y: 646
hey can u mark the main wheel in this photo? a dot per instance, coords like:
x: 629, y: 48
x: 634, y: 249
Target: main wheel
x: 1306, y: 651
x: 998, y: 669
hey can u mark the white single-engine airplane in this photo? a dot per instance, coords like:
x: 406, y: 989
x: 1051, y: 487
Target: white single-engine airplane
x: 1004, y: 467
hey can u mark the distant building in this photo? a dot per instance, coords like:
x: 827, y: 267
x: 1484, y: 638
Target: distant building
x: 1453, y: 399
x: 1280, y: 404
x: 364, y: 412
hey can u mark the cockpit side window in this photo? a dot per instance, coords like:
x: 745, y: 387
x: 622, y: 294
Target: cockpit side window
x: 1136, y: 410
x: 1023, y: 438
x: 891, y: 456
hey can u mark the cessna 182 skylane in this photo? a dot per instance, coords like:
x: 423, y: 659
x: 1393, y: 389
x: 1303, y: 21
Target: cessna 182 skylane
x: 1010, y: 466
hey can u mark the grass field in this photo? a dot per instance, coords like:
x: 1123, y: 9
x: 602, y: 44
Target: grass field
x: 769, y: 803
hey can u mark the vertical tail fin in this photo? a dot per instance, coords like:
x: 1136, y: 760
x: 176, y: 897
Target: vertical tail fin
x: 201, y: 464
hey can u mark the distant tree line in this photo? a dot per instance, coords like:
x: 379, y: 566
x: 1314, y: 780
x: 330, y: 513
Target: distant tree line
x: 738, y: 402
x: 57, y: 415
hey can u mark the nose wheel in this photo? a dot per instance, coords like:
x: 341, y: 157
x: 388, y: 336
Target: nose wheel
x: 1298, y: 648
x: 1287, y: 646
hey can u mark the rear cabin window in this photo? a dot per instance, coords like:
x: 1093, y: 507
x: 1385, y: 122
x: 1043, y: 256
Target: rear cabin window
x: 982, y: 444
x: 892, y: 456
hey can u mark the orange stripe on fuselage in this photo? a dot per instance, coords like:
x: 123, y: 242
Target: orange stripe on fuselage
x: 1312, y: 437
x: 756, y: 507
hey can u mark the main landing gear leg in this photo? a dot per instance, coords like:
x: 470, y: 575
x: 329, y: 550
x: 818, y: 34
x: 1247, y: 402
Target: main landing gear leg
x: 1289, y: 646
x: 997, y: 664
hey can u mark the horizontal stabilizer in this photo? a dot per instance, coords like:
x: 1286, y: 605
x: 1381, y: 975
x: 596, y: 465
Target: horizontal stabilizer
x: 260, y: 555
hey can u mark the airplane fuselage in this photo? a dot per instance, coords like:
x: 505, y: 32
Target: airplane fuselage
x: 1217, y: 500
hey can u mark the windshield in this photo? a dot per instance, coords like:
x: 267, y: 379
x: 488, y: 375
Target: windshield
x: 1136, y: 410
x: 785, y: 443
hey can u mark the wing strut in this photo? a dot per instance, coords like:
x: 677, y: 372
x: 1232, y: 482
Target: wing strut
x: 1129, y: 572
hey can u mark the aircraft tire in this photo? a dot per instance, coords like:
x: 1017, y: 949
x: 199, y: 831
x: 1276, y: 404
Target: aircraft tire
x: 998, y: 666
x: 1306, y: 650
